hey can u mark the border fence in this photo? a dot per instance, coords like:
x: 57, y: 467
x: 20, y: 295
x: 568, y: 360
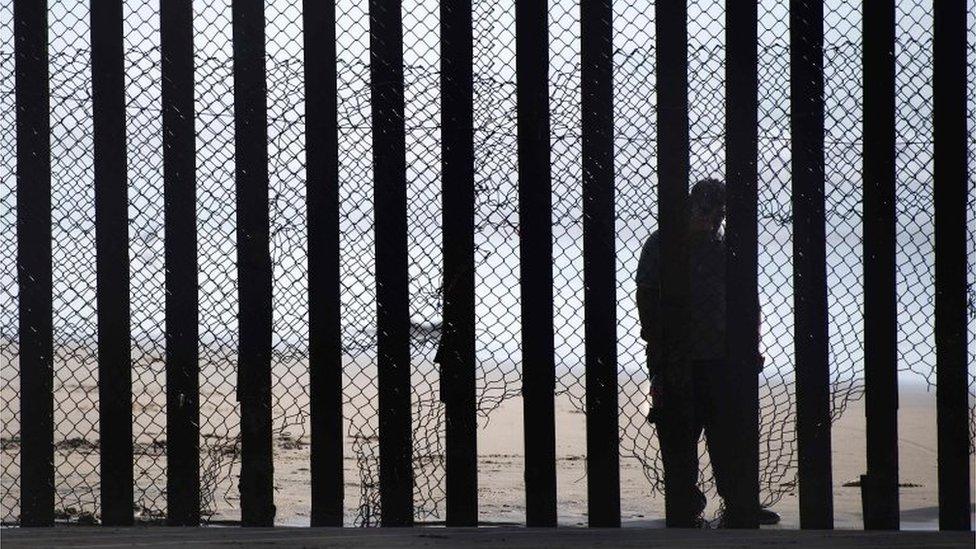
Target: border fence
x: 231, y: 228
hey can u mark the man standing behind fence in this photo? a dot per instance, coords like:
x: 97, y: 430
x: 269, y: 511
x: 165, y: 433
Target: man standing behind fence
x: 718, y: 404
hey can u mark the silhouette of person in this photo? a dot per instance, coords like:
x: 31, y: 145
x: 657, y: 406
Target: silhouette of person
x: 718, y: 407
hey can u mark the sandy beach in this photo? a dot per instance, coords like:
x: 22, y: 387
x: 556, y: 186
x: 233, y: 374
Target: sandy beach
x: 500, y: 450
x: 501, y: 485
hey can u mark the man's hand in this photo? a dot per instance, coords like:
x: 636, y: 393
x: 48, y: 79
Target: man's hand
x: 655, y: 359
x: 655, y: 373
x: 657, y: 399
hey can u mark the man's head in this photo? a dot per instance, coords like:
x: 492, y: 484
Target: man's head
x: 706, y: 206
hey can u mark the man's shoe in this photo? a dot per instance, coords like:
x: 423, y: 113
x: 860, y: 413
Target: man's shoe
x: 767, y: 516
x: 763, y: 517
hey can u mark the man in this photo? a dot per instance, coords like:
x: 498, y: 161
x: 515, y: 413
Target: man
x: 717, y: 404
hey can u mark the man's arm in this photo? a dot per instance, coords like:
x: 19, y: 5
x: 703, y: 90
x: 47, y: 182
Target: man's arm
x: 648, y: 297
x: 648, y: 305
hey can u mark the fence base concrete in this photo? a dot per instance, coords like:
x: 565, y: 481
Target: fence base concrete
x: 512, y: 537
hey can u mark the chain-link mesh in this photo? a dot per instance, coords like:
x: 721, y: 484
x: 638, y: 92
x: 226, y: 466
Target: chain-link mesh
x: 146, y: 254
x: 9, y: 292
x: 497, y: 300
x: 76, y: 468
x: 971, y: 214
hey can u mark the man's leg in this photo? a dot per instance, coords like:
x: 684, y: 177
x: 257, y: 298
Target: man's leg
x: 724, y: 419
x: 679, y: 452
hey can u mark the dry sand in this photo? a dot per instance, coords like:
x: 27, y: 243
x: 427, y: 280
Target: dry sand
x: 501, y: 485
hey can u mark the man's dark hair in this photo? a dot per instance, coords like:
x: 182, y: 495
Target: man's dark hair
x: 708, y: 195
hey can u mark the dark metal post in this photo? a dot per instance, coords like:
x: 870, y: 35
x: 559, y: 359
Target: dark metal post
x: 324, y: 328
x: 182, y: 320
x: 392, y: 300
x: 879, y: 487
x: 949, y: 91
x: 680, y: 475
x: 112, y: 257
x: 809, y: 265
x: 741, y: 230
x: 253, y: 264
x: 535, y: 257
x: 34, y: 264
x: 599, y: 265
x: 457, y: 353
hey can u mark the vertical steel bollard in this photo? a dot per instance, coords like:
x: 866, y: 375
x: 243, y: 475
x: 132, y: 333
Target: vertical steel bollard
x: 680, y: 474
x: 392, y: 299
x: 952, y: 398
x: 324, y: 306
x: 879, y: 487
x: 253, y: 263
x: 535, y: 260
x: 112, y: 258
x: 741, y: 230
x: 809, y: 265
x: 457, y: 351
x: 182, y: 318
x: 34, y: 264
x: 599, y: 265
